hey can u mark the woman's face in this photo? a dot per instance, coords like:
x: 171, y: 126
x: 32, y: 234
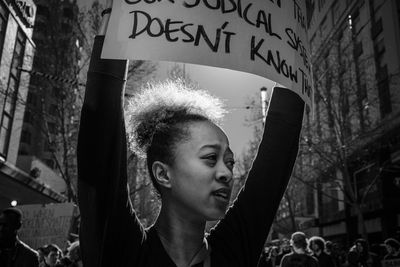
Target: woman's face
x: 201, y: 175
x: 389, y: 249
x: 359, y: 247
x: 274, y: 252
x: 314, y: 247
x: 52, y: 258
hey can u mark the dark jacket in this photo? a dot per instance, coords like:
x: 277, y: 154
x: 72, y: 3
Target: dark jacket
x: 366, y: 260
x: 19, y: 256
x: 110, y: 232
x: 299, y: 260
x: 325, y: 260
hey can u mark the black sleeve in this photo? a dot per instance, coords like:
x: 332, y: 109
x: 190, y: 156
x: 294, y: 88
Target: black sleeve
x: 243, y: 231
x: 284, y: 261
x: 108, y: 222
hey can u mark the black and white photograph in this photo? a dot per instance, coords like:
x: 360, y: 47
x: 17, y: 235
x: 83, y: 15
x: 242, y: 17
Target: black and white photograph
x: 199, y: 133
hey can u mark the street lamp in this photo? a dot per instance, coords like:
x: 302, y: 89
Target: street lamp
x: 14, y: 203
x: 263, y: 92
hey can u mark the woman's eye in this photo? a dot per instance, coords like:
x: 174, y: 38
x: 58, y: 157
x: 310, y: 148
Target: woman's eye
x: 211, y: 159
x: 230, y: 164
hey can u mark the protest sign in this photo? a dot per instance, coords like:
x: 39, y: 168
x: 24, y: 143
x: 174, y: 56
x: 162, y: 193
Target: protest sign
x: 46, y: 224
x: 262, y: 37
x: 391, y: 263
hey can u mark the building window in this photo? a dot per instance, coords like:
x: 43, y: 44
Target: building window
x: 50, y: 163
x: 53, y: 110
x: 398, y: 12
x: 23, y: 152
x: 4, y: 134
x: 52, y: 127
x: 3, y: 25
x: 48, y: 147
x: 55, y: 91
x: 40, y: 27
x: 379, y: 48
x: 377, y: 28
x: 32, y: 99
x: 43, y: 11
x: 11, y: 93
x: 66, y: 28
x: 384, y: 97
x: 26, y: 137
x: 67, y: 13
x: 28, y: 116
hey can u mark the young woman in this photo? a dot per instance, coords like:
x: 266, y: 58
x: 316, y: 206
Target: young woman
x: 51, y: 255
x: 190, y: 164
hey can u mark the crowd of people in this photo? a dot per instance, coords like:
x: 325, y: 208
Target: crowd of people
x: 15, y: 253
x: 298, y: 251
x: 315, y: 251
x: 52, y: 256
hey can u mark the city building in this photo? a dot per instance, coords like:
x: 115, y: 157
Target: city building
x: 354, y: 164
x: 17, y: 51
x: 50, y: 125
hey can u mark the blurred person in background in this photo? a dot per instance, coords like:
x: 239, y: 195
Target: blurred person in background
x: 41, y: 255
x: 285, y: 248
x: 317, y: 246
x: 14, y: 252
x: 392, y: 248
x: 74, y: 254
x: 328, y: 247
x: 360, y: 256
x: 52, y: 255
x: 269, y: 258
x: 299, y: 256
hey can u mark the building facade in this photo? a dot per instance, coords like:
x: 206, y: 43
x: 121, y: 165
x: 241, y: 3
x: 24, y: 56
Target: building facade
x: 354, y: 140
x: 17, y: 51
x: 50, y: 122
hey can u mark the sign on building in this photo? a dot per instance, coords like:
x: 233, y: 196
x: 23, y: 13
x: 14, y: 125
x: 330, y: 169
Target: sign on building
x: 266, y: 38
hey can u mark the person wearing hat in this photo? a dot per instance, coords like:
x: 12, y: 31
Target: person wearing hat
x: 392, y: 247
x: 13, y: 252
x: 299, y: 257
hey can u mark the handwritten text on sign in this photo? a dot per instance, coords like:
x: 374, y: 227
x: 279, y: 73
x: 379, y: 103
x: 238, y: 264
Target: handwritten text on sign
x: 263, y: 37
x: 49, y: 224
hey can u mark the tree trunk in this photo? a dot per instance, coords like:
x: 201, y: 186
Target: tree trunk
x: 291, y: 212
x: 360, y: 221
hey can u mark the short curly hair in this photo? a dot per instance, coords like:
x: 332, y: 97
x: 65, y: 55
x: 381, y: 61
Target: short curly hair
x: 317, y: 240
x: 157, y: 118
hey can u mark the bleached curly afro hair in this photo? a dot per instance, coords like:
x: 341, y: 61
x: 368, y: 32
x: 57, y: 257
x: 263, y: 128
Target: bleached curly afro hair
x: 159, y: 110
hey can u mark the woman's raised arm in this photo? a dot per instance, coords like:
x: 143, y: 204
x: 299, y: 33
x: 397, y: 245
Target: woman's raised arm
x: 108, y: 221
x: 242, y: 233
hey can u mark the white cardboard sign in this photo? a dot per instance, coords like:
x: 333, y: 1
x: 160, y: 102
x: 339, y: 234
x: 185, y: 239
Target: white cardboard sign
x: 262, y: 37
x: 46, y: 224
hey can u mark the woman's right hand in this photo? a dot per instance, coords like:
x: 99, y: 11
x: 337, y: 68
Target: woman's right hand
x: 105, y: 19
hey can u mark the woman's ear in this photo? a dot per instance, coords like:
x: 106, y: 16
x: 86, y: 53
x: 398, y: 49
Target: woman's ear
x: 160, y: 173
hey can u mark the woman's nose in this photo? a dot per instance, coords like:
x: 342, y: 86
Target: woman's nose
x: 224, y: 174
